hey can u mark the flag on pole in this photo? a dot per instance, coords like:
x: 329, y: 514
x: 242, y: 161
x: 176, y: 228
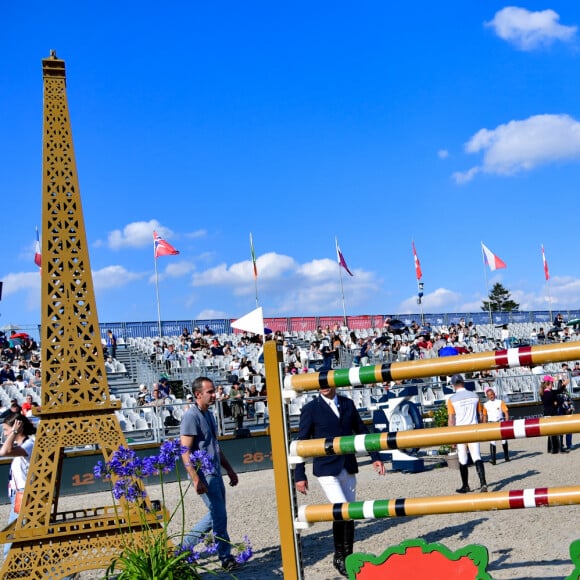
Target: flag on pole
x: 546, y: 271
x: 254, y: 263
x: 493, y: 261
x: 37, y: 254
x: 161, y: 247
x: 341, y: 260
x: 418, y: 271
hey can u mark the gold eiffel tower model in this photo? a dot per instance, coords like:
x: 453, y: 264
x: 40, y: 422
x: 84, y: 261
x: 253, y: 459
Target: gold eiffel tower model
x: 76, y: 407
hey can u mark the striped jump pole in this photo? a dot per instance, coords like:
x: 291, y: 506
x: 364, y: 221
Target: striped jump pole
x: 444, y: 366
x: 518, y: 429
x: 447, y: 504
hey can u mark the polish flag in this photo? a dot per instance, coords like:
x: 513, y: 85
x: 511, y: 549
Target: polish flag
x: 493, y: 261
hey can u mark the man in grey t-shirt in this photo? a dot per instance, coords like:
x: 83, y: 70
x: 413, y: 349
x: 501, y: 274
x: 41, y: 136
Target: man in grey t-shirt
x: 198, y: 432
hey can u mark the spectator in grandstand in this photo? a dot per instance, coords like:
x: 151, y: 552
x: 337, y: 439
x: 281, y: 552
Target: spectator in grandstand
x: 109, y: 365
x: 576, y: 369
x: 327, y: 355
x: 188, y: 402
x: 207, y: 331
x: 494, y: 410
x: 144, y: 394
x: 327, y: 416
x: 505, y: 336
x: 183, y: 346
x: 185, y: 334
x: 216, y: 348
x: 559, y: 321
x: 7, y: 374
x: 20, y: 383
x: 541, y: 336
x: 464, y: 408
x: 112, y: 343
x: 14, y: 408
x: 236, y: 400
x: 36, y: 380
x: 158, y: 400
x: 164, y: 386
x: 18, y: 443
x: 533, y: 337
x: 34, y: 361
x: 170, y: 354
x: 156, y: 351
x: 27, y: 405
x: 550, y: 402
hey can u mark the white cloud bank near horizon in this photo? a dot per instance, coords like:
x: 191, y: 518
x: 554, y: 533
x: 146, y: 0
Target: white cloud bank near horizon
x: 528, y: 30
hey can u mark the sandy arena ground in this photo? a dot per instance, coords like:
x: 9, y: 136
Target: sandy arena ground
x: 522, y: 544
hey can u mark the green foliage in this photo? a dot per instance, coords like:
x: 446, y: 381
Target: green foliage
x: 440, y: 418
x: 499, y: 300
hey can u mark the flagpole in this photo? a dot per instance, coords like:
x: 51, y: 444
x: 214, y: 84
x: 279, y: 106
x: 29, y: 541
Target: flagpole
x: 547, y: 276
x: 341, y: 286
x: 157, y: 292
x: 255, y: 268
x: 486, y: 286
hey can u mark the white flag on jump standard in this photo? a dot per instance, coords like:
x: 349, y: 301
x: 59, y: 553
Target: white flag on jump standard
x: 251, y: 322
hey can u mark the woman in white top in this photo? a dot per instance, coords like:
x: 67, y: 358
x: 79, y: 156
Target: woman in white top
x: 18, y: 443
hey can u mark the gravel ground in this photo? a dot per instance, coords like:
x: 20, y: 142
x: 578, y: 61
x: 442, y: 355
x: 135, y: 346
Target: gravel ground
x: 522, y: 544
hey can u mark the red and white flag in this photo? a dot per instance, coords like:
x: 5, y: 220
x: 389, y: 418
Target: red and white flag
x: 418, y: 271
x: 546, y: 271
x: 37, y: 254
x: 493, y: 261
x: 162, y: 248
x: 341, y: 260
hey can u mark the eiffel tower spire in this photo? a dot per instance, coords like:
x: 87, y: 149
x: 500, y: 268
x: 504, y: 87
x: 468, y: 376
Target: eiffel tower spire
x: 76, y: 407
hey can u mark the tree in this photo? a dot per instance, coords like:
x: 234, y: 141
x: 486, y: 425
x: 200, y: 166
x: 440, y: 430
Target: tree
x: 499, y: 300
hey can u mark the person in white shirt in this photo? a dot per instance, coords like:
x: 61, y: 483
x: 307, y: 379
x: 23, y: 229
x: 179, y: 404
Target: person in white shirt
x: 495, y: 409
x: 464, y: 408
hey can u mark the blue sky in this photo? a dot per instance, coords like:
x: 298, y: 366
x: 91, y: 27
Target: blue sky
x: 377, y: 122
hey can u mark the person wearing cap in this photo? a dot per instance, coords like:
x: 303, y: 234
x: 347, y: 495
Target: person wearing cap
x: 327, y: 416
x: 464, y: 408
x: 550, y: 401
x: 494, y: 410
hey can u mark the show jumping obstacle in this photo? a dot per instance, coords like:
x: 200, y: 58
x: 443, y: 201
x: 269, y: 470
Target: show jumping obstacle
x: 292, y: 518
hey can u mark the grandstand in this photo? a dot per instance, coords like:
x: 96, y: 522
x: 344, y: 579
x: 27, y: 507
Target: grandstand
x: 139, y: 360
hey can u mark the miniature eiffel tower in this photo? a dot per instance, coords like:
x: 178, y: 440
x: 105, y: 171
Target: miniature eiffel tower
x: 76, y: 407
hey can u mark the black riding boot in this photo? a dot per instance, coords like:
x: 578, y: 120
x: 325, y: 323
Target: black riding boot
x: 464, y: 472
x: 338, y: 534
x: 492, y: 450
x: 348, y: 537
x: 506, y: 452
x: 481, y: 473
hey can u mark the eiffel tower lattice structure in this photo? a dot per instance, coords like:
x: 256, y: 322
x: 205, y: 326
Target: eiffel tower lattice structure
x: 76, y: 407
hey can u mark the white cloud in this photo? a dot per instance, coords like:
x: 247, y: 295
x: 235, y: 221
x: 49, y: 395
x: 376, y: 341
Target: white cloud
x: 308, y: 288
x: 440, y: 300
x: 522, y: 145
x: 113, y: 277
x: 529, y: 30
x: 21, y: 281
x: 270, y: 266
x: 137, y: 235
x: 208, y: 314
x: 174, y: 269
x: 443, y: 154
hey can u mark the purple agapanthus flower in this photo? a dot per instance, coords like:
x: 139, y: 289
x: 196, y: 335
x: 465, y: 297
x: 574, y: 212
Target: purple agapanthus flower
x: 246, y: 551
x: 202, y: 460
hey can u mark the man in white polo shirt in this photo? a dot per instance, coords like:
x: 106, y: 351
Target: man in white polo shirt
x: 464, y: 408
